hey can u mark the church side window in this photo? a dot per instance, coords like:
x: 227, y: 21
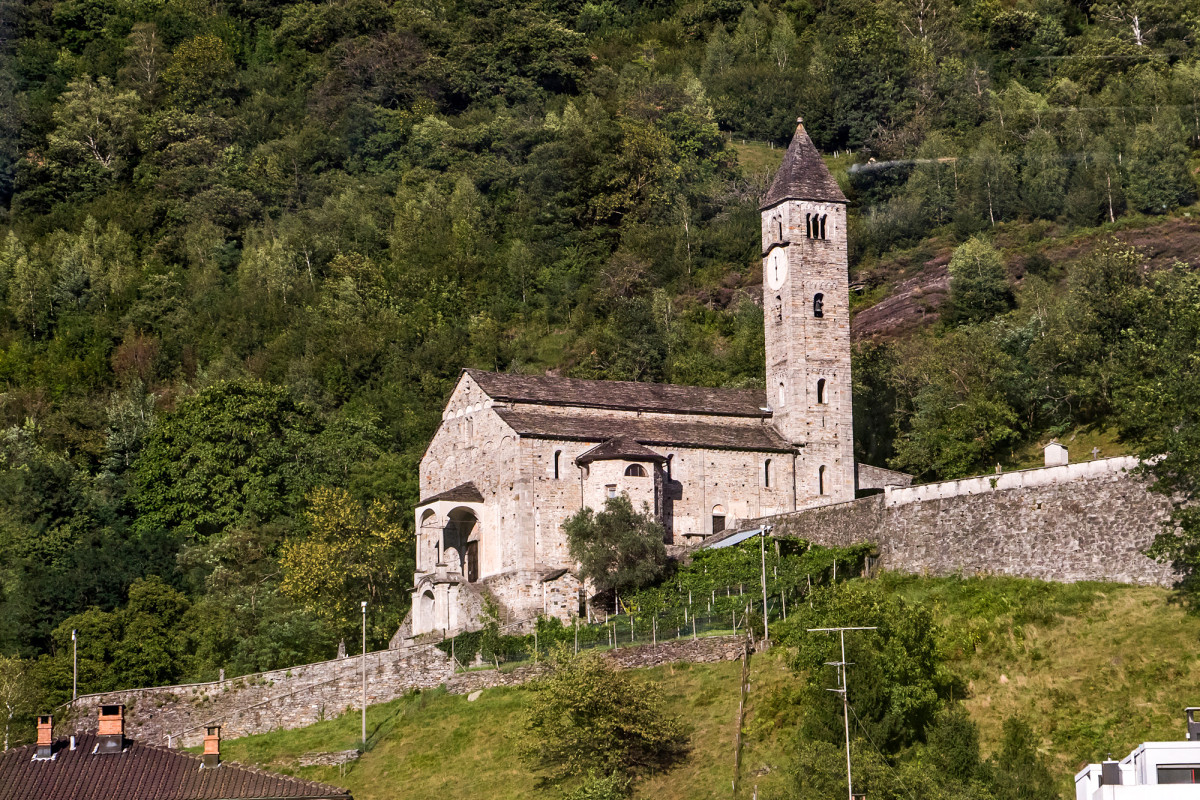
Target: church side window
x: 610, y: 491
x: 818, y: 305
x: 778, y: 229
x: 670, y: 466
x: 821, y: 391
x: 821, y: 480
x: 557, y: 461
x: 778, y: 309
x: 635, y: 471
x: 782, y: 394
x: 767, y: 474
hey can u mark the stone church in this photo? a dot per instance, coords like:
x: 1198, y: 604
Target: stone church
x: 516, y: 455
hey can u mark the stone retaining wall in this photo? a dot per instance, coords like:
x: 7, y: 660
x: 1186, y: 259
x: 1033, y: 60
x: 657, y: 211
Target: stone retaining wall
x: 297, y: 697
x: 1085, y: 521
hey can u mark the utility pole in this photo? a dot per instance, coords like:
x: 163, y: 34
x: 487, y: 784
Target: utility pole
x: 364, y: 676
x: 74, y: 667
x: 843, y: 691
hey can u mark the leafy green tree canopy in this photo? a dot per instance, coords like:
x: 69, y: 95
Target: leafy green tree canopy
x: 617, y: 548
x: 590, y: 723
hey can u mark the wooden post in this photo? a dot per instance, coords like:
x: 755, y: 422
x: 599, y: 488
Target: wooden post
x: 741, y: 716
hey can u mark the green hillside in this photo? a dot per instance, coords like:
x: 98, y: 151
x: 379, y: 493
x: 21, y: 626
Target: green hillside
x: 1094, y: 668
x: 247, y: 247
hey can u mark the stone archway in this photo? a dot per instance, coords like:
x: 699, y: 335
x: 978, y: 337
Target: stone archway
x: 462, y: 537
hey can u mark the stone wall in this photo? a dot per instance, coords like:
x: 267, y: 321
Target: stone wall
x: 297, y: 697
x: 1085, y: 521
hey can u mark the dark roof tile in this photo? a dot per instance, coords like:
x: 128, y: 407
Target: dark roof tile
x: 463, y: 493
x: 803, y: 175
x: 620, y: 449
x: 627, y: 395
x: 141, y: 772
x: 749, y: 435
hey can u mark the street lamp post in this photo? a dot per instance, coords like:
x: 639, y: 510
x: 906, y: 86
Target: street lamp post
x: 364, y: 676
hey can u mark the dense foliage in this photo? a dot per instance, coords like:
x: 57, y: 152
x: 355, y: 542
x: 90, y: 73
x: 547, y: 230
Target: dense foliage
x: 910, y: 736
x: 591, y: 728
x: 248, y: 246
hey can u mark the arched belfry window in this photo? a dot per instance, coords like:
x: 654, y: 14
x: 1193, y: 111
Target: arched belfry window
x: 818, y: 305
x: 808, y: 225
x: 821, y: 480
x: 821, y: 399
x: 778, y: 308
x: 767, y: 474
x: 635, y: 471
x: 822, y: 234
x: 778, y: 229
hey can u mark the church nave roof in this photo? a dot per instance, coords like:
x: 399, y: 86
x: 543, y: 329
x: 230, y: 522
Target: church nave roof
x: 756, y: 437
x: 625, y: 395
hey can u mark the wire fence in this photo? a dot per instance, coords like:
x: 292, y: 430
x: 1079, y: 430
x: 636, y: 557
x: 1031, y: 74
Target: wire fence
x: 729, y: 610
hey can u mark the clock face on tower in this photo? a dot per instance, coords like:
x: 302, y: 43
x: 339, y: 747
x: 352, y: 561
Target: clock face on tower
x: 776, y: 268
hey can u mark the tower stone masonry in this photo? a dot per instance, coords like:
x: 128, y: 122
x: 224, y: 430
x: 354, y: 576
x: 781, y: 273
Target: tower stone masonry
x: 806, y: 304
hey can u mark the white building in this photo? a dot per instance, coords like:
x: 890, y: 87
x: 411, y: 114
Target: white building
x: 1154, y: 771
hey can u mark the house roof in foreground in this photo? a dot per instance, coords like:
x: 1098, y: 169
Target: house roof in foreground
x: 624, y: 395
x: 756, y: 436
x: 142, y: 772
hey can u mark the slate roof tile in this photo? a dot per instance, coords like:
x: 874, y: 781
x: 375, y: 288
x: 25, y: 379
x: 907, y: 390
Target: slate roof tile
x: 463, y: 493
x: 620, y: 449
x: 142, y: 772
x: 627, y: 395
x: 750, y: 435
x: 803, y: 175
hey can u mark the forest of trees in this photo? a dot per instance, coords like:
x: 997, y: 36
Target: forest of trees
x: 247, y: 247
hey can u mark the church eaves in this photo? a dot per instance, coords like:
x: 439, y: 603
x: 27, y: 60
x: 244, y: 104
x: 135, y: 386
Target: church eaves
x: 803, y: 175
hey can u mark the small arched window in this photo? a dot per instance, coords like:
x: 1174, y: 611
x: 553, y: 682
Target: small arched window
x: 821, y: 391
x: 670, y: 465
x: 818, y: 305
x: 808, y: 225
x: 821, y: 480
x: 635, y: 471
x: 823, y: 217
x: 557, y: 460
x: 778, y: 229
x: 767, y: 474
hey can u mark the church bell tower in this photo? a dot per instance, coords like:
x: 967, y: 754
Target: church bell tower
x: 806, y: 302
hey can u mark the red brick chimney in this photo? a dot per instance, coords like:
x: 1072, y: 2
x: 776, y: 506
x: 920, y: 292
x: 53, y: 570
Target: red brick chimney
x: 45, y: 737
x: 212, y: 746
x: 111, y: 729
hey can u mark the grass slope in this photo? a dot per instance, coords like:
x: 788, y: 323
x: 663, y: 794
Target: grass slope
x: 1096, y: 668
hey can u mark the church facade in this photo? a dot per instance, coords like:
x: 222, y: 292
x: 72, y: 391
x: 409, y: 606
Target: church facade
x: 516, y: 455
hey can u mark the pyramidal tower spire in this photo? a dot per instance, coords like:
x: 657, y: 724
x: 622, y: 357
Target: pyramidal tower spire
x: 806, y: 304
x: 803, y: 174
